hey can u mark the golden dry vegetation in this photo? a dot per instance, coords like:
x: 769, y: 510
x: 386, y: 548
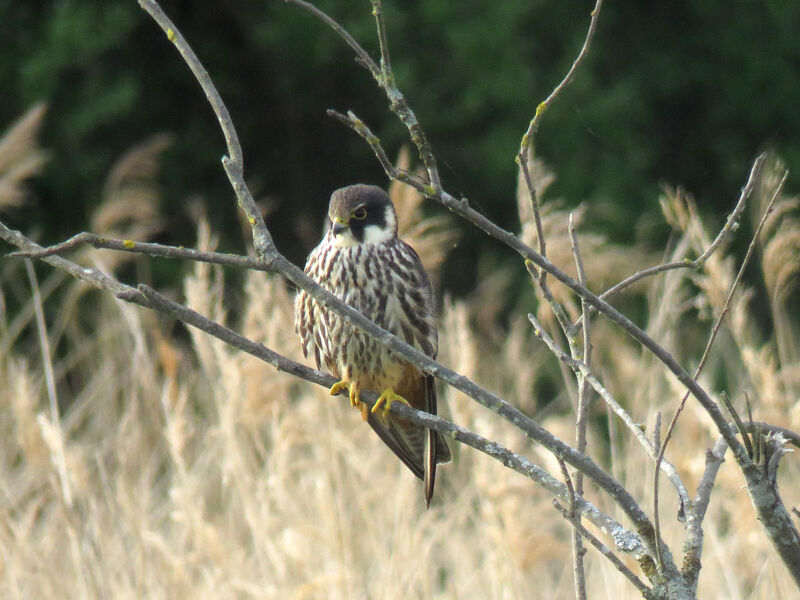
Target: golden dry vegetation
x: 178, y: 467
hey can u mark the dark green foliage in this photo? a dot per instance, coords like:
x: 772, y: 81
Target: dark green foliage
x: 682, y: 92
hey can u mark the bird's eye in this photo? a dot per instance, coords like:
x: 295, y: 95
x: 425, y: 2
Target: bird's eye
x: 360, y: 214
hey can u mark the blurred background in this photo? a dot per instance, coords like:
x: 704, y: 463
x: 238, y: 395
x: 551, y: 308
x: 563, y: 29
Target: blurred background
x: 161, y: 463
x: 683, y: 93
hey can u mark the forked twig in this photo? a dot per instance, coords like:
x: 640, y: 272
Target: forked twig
x: 730, y: 225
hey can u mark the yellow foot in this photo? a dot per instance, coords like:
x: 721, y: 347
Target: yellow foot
x: 387, y: 397
x: 354, y: 390
x: 339, y: 386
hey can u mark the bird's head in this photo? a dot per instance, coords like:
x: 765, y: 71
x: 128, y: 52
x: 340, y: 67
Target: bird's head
x: 361, y: 214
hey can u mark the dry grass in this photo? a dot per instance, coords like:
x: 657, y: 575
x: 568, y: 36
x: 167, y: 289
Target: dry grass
x: 196, y: 471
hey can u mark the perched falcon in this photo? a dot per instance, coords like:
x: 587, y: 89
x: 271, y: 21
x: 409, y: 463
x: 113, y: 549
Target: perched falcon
x: 363, y: 262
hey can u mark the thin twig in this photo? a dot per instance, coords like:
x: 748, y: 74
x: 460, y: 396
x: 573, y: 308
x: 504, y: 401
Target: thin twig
x: 234, y: 163
x: 399, y: 106
x: 147, y: 248
x: 578, y: 550
x: 384, y: 77
x: 533, y: 126
x: 730, y: 225
x: 91, y: 276
x: 383, y: 43
x: 606, y: 551
x: 525, y: 150
x: 537, y: 217
x: 752, y: 448
x: 364, y: 59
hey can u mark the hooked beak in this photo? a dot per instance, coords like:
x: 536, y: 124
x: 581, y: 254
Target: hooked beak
x: 339, y: 226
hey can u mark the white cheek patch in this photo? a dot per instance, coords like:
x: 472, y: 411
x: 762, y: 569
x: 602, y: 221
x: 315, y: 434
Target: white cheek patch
x: 377, y: 235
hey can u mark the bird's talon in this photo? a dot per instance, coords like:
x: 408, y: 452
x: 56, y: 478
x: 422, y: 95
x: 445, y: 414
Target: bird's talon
x: 364, y: 411
x: 339, y: 386
x: 387, y: 397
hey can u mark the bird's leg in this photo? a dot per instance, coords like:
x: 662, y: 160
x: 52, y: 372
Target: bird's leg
x: 387, y: 397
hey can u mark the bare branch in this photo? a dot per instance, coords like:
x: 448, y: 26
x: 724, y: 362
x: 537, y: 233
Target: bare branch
x: 234, y: 163
x: 296, y: 276
x: 462, y: 208
x: 147, y: 248
x: 357, y: 125
x: 91, y: 276
x: 401, y: 108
